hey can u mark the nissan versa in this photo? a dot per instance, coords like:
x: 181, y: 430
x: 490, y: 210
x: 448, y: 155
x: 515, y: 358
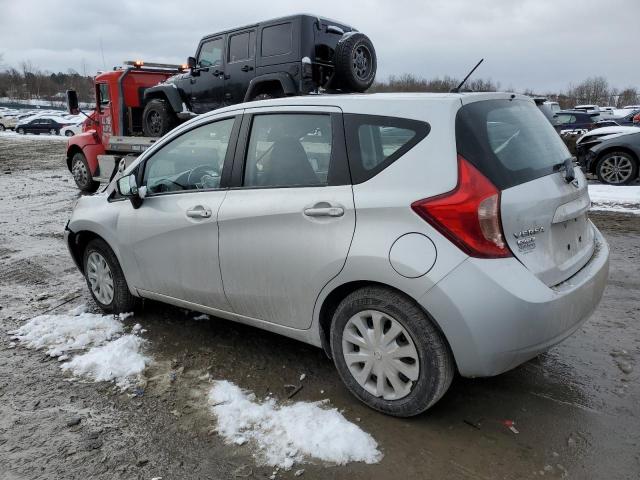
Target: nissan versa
x: 408, y: 235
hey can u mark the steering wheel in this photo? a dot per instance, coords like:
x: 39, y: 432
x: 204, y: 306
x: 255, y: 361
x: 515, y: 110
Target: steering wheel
x: 203, y: 176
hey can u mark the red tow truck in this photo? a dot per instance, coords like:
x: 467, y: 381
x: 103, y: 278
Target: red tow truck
x: 112, y: 132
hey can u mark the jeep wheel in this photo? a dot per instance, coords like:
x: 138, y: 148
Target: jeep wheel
x: 355, y: 62
x: 157, y: 118
x: 82, y: 174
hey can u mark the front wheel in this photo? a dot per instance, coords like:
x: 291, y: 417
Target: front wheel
x: 82, y: 174
x: 105, y: 279
x: 617, y: 168
x: 2, y: 128
x: 53, y: 131
x: 157, y: 118
x: 21, y: 131
x: 68, y: 133
x: 388, y: 352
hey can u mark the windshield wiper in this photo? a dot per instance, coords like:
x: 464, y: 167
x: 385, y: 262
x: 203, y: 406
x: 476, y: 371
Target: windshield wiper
x: 567, y: 166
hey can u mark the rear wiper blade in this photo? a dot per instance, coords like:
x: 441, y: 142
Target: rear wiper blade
x: 567, y: 166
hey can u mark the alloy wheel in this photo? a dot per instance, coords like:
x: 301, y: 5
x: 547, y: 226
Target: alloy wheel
x: 380, y: 354
x: 616, y: 169
x: 80, y: 173
x: 362, y: 62
x: 100, y: 278
x: 155, y: 123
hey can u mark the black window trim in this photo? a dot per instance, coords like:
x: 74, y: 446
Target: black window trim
x: 352, y: 121
x: 226, y: 165
x: 338, y: 174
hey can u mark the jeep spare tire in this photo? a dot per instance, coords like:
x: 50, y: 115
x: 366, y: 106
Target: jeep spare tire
x: 157, y: 118
x: 355, y: 62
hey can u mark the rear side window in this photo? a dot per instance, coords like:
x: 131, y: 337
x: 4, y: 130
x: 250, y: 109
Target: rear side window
x: 509, y: 141
x: 276, y: 40
x: 375, y: 142
x: 242, y: 46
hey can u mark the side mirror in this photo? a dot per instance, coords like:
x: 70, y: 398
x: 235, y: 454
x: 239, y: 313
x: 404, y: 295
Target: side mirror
x: 72, y: 102
x: 127, y: 186
x: 191, y: 62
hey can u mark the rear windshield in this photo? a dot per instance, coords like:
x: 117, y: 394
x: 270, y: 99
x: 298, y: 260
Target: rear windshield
x: 509, y: 141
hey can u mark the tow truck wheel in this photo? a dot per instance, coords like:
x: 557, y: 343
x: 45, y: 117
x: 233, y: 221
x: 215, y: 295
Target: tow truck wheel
x: 82, y: 174
x: 157, y: 118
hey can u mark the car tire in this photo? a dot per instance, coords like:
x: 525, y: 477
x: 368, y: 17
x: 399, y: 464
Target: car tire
x: 82, y: 173
x: 2, y: 128
x: 617, y: 168
x: 68, y: 133
x: 157, y: 118
x: 21, y: 131
x: 355, y: 63
x: 53, y: 131
x: 412, y: 330
x: 105, y: 279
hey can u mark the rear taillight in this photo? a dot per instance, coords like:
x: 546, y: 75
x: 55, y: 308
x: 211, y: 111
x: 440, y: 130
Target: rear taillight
x: 469, y: 215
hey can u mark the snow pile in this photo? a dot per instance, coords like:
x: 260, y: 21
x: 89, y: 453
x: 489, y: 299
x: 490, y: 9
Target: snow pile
x: 43, y: 137
x: 624, y: 198
x: 287, y: 434
x: 107, y: 353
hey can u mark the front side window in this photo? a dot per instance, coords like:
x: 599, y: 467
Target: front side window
x: 378, y: 141
x: 211, y: 53
x: 563, y: 119
x: 288, y: 150
x: 193, y: 161
x: 242, y: 46
x: 276, y: 40
x: 103, y: 93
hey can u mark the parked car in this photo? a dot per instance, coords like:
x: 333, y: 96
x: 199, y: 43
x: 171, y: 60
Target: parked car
x: 547, y: 107
x: 7, y: 122
x: 40, y: 125
x: 477, y: 255
x: 574, y: 120
x: 595, y: 136
x: 626, y: 119
x: 71, y: 130
x: 613, y: 158
x: 286, y: 56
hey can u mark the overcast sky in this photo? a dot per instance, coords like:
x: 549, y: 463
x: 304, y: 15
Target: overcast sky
x: 539, y: 44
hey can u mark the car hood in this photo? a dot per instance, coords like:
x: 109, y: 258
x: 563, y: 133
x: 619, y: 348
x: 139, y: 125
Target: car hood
x: 617, y: 139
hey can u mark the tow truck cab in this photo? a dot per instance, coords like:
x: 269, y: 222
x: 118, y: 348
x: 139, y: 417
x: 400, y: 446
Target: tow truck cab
x: 118, y: 113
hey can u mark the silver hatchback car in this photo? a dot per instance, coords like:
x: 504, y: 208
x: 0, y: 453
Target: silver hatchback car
x: 408, y: 235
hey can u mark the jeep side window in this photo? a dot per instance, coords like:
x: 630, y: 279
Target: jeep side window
x: 242, y: 46
x: 276, y: 40
x: 211, y: 53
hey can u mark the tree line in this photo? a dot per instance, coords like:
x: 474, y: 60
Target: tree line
x: 30, y: 83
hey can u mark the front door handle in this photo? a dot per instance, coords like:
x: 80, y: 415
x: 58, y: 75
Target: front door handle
x: 246, y: 68
x: 322, y: 211
x: 199, y: 212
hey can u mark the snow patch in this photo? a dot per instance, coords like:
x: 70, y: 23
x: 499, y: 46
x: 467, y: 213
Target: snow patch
x: 106, y: 355
x: 288, y: 434
x: 624, y: 198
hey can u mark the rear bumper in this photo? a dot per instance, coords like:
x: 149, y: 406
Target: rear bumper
x: 497, y: 315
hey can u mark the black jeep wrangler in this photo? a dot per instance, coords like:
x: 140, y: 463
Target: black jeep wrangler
x: 293, y: 55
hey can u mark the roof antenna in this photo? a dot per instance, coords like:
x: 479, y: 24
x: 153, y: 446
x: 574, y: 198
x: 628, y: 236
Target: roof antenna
x: 457, y: 89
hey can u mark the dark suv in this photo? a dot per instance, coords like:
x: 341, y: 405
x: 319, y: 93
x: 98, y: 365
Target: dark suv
x: 294, y: 55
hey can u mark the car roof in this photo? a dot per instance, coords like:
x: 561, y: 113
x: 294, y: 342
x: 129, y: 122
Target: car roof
x: 355, y: 100
x: 275, y: 20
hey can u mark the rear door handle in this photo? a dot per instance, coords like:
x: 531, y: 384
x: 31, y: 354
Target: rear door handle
x: 324, y: 211
x: 199, y: 212
x: 246, y: 68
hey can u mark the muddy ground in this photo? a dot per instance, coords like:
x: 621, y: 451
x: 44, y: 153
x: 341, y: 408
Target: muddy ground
x: 577, y: 407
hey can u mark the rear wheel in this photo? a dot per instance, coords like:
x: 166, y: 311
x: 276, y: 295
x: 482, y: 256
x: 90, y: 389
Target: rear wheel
x: 82, y: 174
x: 21, y: 131
x: 355, y: 62
x: 68, y: 133
x: 388, y: 352
x: 2, y: 128
x: 617, y: 168
x: 105, y: 279
x: 157, y: 118
x: 53, y: 131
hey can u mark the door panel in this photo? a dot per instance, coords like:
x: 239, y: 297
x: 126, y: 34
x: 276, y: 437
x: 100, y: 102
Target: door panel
x: 176, y: 252
x: 207, y: 89
x: 241, y: 65
x: 274, y: 258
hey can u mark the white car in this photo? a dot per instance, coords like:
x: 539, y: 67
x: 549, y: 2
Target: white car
x: 71, y: 130
x: 605, y: 131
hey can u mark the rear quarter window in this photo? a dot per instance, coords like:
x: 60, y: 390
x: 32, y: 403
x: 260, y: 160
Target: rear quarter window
x: 277, y: 40
x: 375, y: 142
x: 509, y: 141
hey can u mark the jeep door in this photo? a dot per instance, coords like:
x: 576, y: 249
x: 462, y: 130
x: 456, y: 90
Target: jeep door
x: 241, y: 65
x: 288, y: 220
x: 173, y: 235
x: 207, y: 81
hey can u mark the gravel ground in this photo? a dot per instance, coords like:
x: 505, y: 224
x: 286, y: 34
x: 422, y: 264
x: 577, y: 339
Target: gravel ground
x: 576, y: 408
